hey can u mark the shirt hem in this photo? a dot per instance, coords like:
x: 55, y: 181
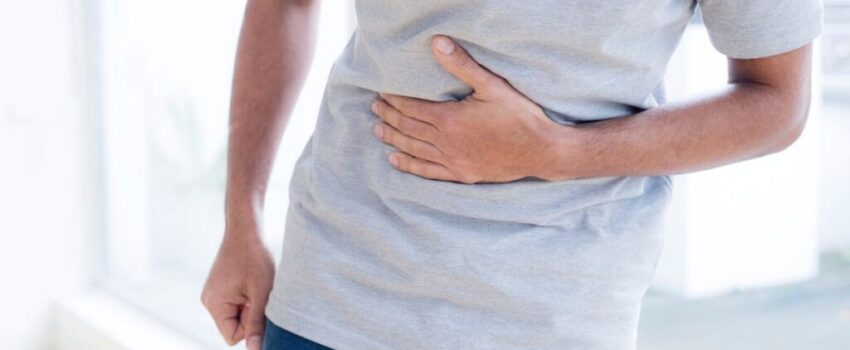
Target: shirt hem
x: 335, y: 337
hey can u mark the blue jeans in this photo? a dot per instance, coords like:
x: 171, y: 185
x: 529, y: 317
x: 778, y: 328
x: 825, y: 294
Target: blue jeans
x: 277, y: 338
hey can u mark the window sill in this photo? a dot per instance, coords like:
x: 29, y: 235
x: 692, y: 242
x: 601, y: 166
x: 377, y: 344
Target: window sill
x: 98, y: 320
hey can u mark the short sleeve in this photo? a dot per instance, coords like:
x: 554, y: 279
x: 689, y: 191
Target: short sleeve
x: 761, y: 28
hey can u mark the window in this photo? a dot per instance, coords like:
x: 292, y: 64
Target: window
x: 165, y: 92
x: 164, y: 97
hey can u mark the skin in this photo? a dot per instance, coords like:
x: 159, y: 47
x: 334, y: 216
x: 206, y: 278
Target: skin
x: 496, y: 134
x: 276, y: 46
x: 762, y: 110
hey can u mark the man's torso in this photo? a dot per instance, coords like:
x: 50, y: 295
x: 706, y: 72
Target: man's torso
x: 376, y: 258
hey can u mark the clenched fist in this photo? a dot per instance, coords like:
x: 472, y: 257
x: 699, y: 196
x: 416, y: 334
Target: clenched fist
x: 238, y: 286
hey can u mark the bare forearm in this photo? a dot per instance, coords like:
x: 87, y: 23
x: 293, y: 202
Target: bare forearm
x: 746, y: 120
x: 275, y: 49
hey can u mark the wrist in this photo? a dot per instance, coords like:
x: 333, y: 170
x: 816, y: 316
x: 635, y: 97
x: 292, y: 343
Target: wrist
x: 243, y: 230
x: 242, y: 214
x: 560, y: 148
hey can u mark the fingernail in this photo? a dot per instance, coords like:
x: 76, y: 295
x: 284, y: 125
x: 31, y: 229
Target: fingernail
x: 382, y: 95
x: 394, y: 159
x: 445, y: 45
x: 255, y: 342
x: 375, y: 106
x: 379, y: 131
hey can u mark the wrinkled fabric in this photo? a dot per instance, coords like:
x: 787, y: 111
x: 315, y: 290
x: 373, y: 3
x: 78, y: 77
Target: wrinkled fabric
x: 374, y: 258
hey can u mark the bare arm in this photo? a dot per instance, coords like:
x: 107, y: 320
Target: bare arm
x: 497, y: 134
x: 275, y: 49
x: 761, y: 111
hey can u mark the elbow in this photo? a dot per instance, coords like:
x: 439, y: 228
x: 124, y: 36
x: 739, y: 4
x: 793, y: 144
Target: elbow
x: 793, y: 123
x: 791, y: 134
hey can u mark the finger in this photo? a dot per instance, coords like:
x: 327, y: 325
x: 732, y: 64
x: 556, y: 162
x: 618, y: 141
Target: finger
x: 240, y: 330
x: 226, y: 317
x: 459, y: 63
x: 409, y: 145
x: 420, y: 167
x: 255, y: 321
x: 409, y: 126
x: 430, y: 112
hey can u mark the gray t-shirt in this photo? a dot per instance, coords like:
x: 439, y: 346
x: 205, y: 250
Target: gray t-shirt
x: 374, y: 258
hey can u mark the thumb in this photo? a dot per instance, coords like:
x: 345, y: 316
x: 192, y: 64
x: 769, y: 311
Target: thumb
x: 459, y: 63
x: 255, y: 323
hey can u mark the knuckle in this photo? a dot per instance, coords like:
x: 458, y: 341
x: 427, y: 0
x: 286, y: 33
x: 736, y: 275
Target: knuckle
x: 410, y: 166
x: 403, y: 164
x: 406, y: 125
x: 416, y: 129
x: 405, y: 147
x: 413, y: 108
x: 392, y: 118
x: 389, y: 134
x: 402, y: 142
x: 428, y: 155
x: 419, y: 130
x: 429, y: 174
x: 420, y: 148
x: 464, y: 61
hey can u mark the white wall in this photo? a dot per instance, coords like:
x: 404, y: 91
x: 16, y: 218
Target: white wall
x: 746, y: 225
x: 835, y: 128
x: 46, y: 167
x: 834, y: 207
